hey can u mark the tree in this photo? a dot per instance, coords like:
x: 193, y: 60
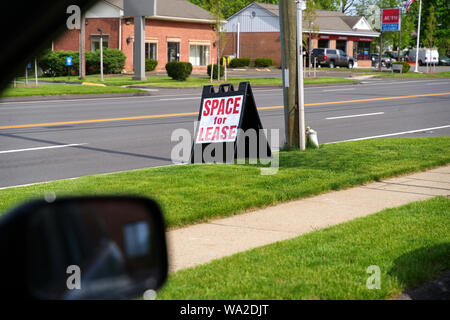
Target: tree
x: 430, y: 29
x: 231, y: 7
x: 441, y: 32
x: 309, y: 17
x: 216, y: 8
x: 346, y: 6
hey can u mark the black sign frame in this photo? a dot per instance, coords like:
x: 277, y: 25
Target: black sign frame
x: 249, y: 119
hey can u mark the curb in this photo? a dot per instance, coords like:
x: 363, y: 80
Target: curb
x: 73, y: 97
x: 148, y: 93
x: 258, y: 86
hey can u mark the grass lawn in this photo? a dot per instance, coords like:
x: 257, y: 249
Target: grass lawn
x: 410, y: 74
x: 410, y: 244
x: 194, y: 193
x: 60, y: 89
x: 160, y: 81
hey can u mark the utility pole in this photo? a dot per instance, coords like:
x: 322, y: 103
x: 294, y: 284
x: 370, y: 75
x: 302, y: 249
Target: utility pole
x: 288, y: 30
x: 35, y: 71
x: 82, y: 51
x: 301, y: 5
x: 101, y: 54
x: 238, y: 39
x: 381, y: 40
x: 381, y: 50
x: 399, y: 32
x: 416, y: 69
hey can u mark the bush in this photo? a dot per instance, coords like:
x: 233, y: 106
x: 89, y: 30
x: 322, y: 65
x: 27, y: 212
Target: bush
x: 179, y: 70
x: 406, y: 66
x: 222, y: 71
x: 53, y: 63
x: 263, y: 62
x: 239, y: 62
x: 150, y: 64
x: 113, y: 61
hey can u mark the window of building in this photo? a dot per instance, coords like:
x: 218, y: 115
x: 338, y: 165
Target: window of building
x: 151, y: 50
x: 95, y: 42
x: 173, y: 51
x: 341, y: 45
x: 361, y: 50
x: 199, y: 55
x: 323, y: 43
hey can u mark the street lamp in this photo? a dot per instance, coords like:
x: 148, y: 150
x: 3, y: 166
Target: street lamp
x: 101, y: 53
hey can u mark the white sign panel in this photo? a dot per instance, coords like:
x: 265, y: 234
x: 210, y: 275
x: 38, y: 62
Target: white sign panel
x: 219, y: 119
x: 139, y: 8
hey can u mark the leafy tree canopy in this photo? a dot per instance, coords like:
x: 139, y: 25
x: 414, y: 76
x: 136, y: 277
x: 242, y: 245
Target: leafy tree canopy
x: 435, y: 15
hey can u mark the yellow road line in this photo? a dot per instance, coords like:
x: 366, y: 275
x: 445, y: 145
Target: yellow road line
x: 49, y: 124
x: 364, y: 100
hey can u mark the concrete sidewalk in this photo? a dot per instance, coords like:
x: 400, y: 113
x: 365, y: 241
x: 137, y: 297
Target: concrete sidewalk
x: 204, y: 242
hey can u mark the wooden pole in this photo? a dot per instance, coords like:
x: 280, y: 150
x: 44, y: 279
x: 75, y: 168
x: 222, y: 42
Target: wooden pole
x: 301, y: 61
x: 36, y: 71
x: 82, y: 49
x: 288, y: 27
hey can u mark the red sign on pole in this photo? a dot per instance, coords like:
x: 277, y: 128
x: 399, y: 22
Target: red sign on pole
x: 391, y: 15
x: 390, y: 20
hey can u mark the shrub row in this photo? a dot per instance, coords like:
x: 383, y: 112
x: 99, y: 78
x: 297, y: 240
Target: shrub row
x: 53, y: 63
x: 405, y: 65
x: 179, y: 70
x: 239, y: 62
x: 245, y: 62
x: 150, y: 64
x: 263, y: 62
x: 222, y: 71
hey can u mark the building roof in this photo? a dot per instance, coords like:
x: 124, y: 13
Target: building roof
x: 179, y: 10
x: 272, y: 8
x: 325, y: 20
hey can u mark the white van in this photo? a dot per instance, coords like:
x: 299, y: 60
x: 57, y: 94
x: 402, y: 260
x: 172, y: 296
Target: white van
x: 430, y: 56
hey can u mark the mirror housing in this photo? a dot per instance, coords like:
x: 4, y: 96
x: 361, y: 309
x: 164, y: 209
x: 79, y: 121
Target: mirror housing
x: 83, y: 248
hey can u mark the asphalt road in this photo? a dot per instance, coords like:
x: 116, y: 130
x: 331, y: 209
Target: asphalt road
x: 49, y: 148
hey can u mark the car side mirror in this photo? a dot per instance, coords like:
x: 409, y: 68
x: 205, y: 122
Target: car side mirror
x: 83, y: 248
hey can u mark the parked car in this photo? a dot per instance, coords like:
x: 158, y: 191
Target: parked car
x: 386, y: 61
x: 444, y: 60
x: 425, y: 56
x: 332, y: 58
x: 394, y: 55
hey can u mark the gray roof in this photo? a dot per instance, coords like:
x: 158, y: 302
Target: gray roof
x: 182, y: 9
x: 325, y: 19
x: 272, y: 8
x: 117, y: 3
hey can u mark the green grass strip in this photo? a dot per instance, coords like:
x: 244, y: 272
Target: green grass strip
x: 160, y: 81
x: 410, y: 74
x: 410, y: 245
x: 193, y: 193
x: 62, y: 89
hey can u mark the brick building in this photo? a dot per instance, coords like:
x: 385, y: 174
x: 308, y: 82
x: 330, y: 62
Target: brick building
x: 257, y: 28
x: 180, y: 31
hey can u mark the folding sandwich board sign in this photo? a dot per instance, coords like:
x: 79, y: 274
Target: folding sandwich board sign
x: 223, y: 122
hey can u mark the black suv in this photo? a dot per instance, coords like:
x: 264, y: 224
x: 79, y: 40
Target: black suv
x: 332, y: 58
